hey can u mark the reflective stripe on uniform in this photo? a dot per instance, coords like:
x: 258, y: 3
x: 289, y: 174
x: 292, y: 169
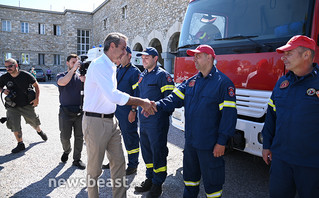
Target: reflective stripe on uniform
x: 203, y: 36
x: 167, y: 88
x: 179, y: 93
x: 149, y: 165
x: 191, y: 183
x: 227, y: 103
x: 134, y: 86
x: 133, y: 151
x: 271, y: 103
x: 215, y: 194
x: 162, y: 169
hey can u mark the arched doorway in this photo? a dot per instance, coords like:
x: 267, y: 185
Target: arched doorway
x: 137, y: 61
x: 138, y: 47
x: 173, y: 42
x: 172, y: 48
x: 158, y: 46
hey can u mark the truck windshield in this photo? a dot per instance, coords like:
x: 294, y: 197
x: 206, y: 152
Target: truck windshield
x: 229, y: 21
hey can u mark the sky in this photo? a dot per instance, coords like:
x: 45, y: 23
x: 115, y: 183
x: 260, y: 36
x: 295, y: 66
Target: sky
x: 55, y: 5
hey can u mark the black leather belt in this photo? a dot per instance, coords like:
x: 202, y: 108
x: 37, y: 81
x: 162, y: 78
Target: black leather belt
x: 99, y: 115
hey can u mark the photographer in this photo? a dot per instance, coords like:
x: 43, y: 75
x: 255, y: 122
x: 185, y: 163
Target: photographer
x: 70, y: 115
x: 18, y: 102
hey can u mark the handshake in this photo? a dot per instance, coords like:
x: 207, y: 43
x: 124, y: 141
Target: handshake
x: 149, y: 108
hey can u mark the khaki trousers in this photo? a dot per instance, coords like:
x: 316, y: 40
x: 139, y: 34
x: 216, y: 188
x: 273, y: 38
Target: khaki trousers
x: 100, y: 135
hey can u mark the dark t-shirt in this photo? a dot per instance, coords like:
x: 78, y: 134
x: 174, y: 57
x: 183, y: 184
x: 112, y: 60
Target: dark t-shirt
x: 70, y: 94
x: 19, y: 85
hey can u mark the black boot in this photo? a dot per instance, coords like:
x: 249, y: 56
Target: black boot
x: 155, y: 191
x: 64, y: 157
x: 145, y: 186
x: 79, y: 164
x: 130, y: 170
x: 43, y: 136
x: 19, y: 148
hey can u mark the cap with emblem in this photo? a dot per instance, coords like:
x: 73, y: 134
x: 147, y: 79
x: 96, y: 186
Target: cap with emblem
x: 296, y: 41
x: 202, y: 49
x: 148, y: 51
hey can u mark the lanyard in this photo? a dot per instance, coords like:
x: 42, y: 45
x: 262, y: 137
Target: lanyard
x: 127, y: 66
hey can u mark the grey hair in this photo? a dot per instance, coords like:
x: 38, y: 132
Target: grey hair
x: 114, y: 37
x: 303, y: 49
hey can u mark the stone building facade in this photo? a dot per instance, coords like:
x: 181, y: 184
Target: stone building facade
x: 51, y: 36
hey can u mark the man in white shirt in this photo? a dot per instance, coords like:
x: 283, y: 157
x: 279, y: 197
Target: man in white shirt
x: 100, y: 127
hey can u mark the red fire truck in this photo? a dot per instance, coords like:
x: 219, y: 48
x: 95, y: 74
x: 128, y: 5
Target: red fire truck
x: 245, y: 35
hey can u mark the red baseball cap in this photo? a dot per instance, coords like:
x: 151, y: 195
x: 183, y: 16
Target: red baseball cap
x: 202, y: 49
x: 297, y: 41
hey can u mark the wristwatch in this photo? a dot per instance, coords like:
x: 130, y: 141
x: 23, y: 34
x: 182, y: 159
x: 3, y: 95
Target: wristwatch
x: 134, y: 110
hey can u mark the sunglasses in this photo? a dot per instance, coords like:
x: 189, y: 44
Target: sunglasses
x: 9, y: 66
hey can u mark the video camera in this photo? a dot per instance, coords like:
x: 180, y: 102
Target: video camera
x: 86, y: 59
x: 84, y: 65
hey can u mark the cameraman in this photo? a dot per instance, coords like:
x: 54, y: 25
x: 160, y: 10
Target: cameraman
x: 70, y: 115
x: 17, y: 85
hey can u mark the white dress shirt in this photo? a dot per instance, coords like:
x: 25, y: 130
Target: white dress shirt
x: 100, y: 88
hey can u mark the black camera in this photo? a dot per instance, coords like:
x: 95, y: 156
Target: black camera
x: 84, y: 65
x: 10, y: 97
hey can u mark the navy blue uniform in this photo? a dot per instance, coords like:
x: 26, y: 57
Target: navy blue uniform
x: 127, y: 78
x: 210, y: 118
x: 291, y: 132
x: 155, y: 85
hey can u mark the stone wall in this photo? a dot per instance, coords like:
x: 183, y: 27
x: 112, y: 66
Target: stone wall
x: 155, y: 23
x: 34, y: 43
x: 146, y: 19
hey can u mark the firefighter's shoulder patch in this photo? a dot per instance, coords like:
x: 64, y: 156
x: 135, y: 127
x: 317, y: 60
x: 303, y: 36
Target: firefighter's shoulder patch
x: 191, y: 83
x: 284, y: 84
x: 231, y: 91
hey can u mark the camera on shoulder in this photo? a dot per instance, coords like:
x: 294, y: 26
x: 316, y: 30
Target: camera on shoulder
x: 84, y: 65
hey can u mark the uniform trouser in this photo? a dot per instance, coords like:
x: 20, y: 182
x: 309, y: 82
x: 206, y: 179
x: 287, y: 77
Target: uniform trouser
x: 100, y: 135
x: 197, y: 163
x: 131, y: 139
x: 67, y: 122
x: 154, y: 152
x: 285, y: 179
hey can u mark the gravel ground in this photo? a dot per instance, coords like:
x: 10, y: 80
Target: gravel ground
x: 38, y: 172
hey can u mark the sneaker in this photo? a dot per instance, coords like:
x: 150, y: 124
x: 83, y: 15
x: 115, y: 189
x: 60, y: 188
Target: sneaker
x: 145, y: 186
x: 79, y: 164
x: 155, y: 191
x: 43, y: 136
x: 64, y: 157
x: 19, y: 148
x: 107, y: 166
x: 130, y: 170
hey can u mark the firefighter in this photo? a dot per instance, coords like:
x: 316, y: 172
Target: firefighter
x: 155, y: 83
x: 291, y: 132
x: 127, y: 76
x: 210, y: 118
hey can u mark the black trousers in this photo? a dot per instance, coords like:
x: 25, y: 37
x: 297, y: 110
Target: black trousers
x: 69, y: 121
